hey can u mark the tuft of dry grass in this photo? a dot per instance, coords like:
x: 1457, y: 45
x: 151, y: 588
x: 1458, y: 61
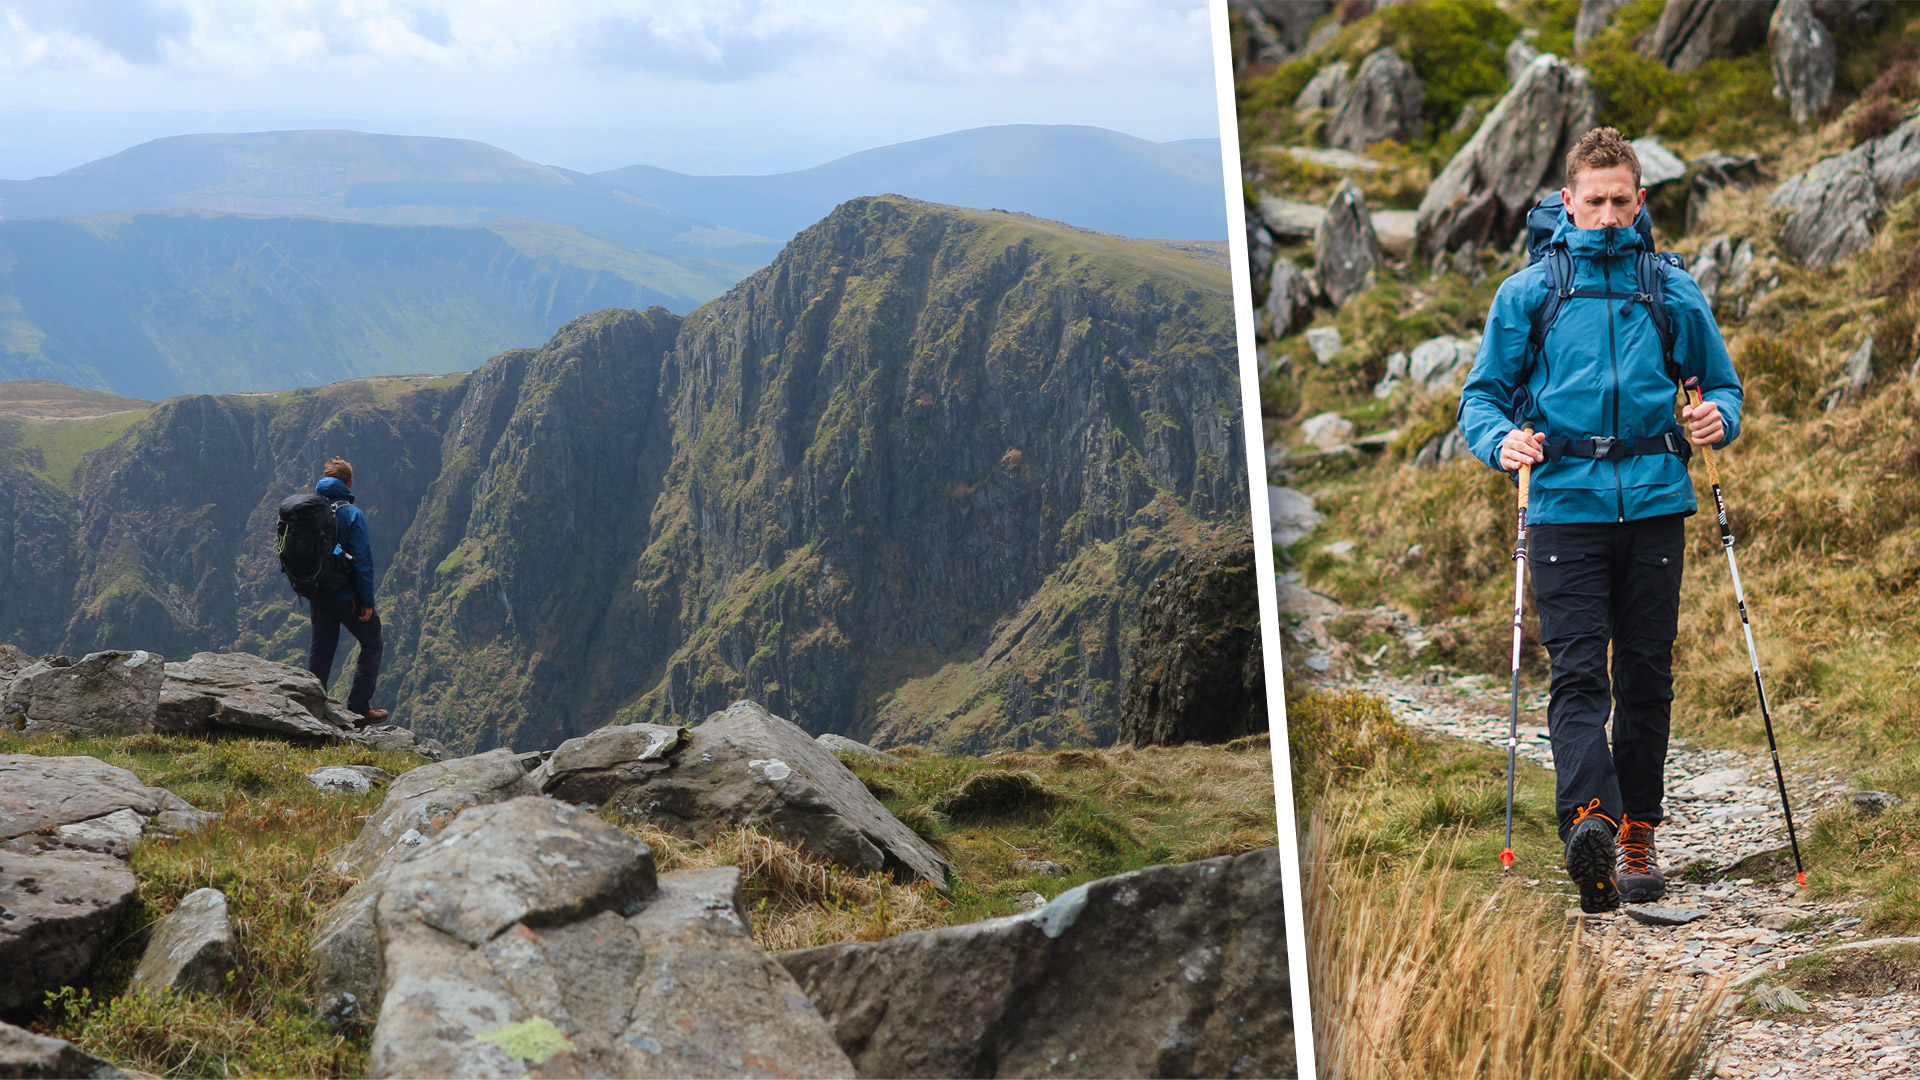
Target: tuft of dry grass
x: 1416, y: 973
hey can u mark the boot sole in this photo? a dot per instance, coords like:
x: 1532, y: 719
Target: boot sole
x: 1643, y: 894
x: 1590, y: 863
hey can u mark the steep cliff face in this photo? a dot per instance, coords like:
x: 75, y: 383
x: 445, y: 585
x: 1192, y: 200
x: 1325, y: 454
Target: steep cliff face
x: 910, y: 481
x: 894, y: 435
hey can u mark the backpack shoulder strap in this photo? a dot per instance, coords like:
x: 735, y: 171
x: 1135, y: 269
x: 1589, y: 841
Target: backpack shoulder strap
x: 1651, y: 275
x: 1559, y: 275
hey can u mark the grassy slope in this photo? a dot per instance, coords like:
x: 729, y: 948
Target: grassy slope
x: 1097, y: 813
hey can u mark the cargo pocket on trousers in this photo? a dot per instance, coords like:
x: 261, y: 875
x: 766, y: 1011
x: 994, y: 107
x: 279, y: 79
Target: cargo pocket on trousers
x: 1569, y: 592
x: 1655, y: 610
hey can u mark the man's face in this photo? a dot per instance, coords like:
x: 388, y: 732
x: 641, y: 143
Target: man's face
x: 1603, y: 198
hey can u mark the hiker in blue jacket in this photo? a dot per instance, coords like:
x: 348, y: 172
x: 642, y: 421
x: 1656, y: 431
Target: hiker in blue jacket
x: 1610, y: 494
x: 352, y: 606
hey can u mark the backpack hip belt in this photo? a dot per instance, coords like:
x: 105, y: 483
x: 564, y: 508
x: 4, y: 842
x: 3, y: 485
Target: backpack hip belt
x: 1604, y: 448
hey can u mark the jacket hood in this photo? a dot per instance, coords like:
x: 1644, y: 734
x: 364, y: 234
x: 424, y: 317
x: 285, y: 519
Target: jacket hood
x: 1596, y: 243
x: 333, y: 489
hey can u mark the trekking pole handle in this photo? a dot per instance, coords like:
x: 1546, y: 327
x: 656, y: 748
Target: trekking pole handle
x: 1694, y: 398
x: 1526, y: 471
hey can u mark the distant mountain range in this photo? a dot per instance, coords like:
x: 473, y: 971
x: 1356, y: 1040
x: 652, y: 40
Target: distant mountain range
x: 137, y: 274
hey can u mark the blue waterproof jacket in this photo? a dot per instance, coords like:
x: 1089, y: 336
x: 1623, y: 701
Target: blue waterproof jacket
x: 1602, y: 373
x: 351, y: 526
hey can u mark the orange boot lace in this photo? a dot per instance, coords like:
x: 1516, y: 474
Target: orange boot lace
x: 1636, y: 847
x: 1592, y: 808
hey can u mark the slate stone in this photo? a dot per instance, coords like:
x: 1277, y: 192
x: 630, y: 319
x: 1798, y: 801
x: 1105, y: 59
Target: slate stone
x: 1346, y: 251
x: 192, y: 949
x: 1289, y: 305
x: 1664, y: 916
x: 533, y: 938
x: 1804, y: 57
x: 1692, y: 32
x: 26, y: 1055
x: 246, y: 692
x: 108, y: 693
x: 1383, y: 103
x: 1593, y: 18
x: 1170, y: 971
x: 61, y: 905
x: 738, y: 766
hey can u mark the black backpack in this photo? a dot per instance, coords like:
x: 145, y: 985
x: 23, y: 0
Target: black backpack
x: 1650, y: 266
x: 310, y: 552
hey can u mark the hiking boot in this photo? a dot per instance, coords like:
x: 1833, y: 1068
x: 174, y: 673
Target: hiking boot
x: 1590, y: 859
x: 1640, y: 877
x: 374, y: 718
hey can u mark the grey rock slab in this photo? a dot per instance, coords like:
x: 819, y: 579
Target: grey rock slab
x: 1692, y: 32
x: 339, y: 779
x: 1188, y: 961
x: 1325, y: 343
x: 1875, y: 801
x: 1289, y: 298
x: 1664, y: 916
x: 419, y: 804
x: 1346, y: 252
x: 1831, y: 209
x: 1519, y: 56
x: 530, y: 860
x: 742, y: 765
x: 1804, y: 57
x: 1326, y: 90
x: 53, y: 793
x: 840, y: 744
x: 246, y: 692
x: 1859, y: 372
x: 1383, y: 103
x: 192, y: 949
x: 13, y: 661
x: 1482, y: 196
x: 1289, y: 220
x: 397, y: 739
x: 1437, y: 362
x: 1780, y: 999
x: 26, y: 1055
x: 1896, y: 160
x: 424, y: 800
x: 1657, y: 163
x: 1040, y: 867
x: 1330, y: 157
x: 1292, y: 515
x: 1326, y: 430
x: 1593, y: 18
x: 61, y: 905
x: 107, y: 693
x: 603, y: 983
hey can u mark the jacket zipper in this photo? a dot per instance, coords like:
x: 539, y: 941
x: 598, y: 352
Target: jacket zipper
x: 1613, y: 359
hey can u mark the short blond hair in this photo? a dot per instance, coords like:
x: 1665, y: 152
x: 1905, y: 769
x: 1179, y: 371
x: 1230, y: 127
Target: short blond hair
x: 1601, y: 148
x: 339, y: 470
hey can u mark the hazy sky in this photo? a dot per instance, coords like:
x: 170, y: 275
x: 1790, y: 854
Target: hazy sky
x: 712, y: 86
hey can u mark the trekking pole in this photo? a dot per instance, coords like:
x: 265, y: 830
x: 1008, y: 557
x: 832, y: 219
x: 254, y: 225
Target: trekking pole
x: 1753, y: 655
x: 1513, y: 726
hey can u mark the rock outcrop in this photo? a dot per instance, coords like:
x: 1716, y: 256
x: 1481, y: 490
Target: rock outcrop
x: 24, y: 1054
x: 1593, y: 18
x: 249, y: 693
x: 1346, y: 251
x: 1692, y: 32
x: 1188, y: 962
x: 1279, y: 28
x: 1804, y: 56
x: 192, y: 949
x: 1289, y: 304
x: 107, y: 693
x: 419, y: 804
x: 1383, y: 103
x: 531, y: 936
x: 13, y: 662
x: 66, y: 827
x: 1483, y: 194
x: 739, y: 766
x: 1197, y: 674
x: 1831, y: 209
x: 1327, y: 89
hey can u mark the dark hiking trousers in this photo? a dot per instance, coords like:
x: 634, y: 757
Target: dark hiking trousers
x: 1597, y: 585
x: 327, y: 621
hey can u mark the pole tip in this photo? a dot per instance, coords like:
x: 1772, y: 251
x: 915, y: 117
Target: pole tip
x: 1506, y: 861
x: 1800, y: 878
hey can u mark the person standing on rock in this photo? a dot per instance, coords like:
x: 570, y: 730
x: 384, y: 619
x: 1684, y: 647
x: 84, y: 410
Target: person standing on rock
x: 1610, y: 494
x: 352, y: 606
